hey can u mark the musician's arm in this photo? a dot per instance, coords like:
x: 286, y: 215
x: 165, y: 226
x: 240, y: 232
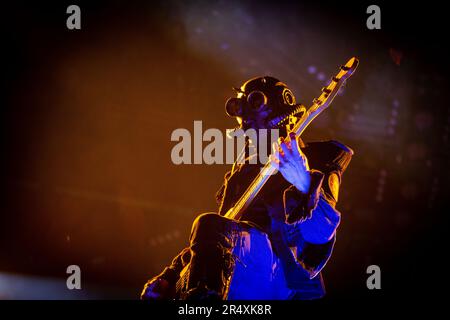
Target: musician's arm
x: 317, y: 233
x: 317, y: 236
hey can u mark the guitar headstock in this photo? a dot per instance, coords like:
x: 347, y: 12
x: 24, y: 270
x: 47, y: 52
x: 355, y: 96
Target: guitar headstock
x: 349, y: 68
x: 330, y: 91
x: 327, y: 96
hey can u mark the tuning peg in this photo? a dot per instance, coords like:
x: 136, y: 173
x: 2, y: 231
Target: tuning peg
x: 317, y: 101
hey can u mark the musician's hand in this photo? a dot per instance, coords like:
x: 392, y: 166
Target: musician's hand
x: 157, y: 289
x: 289, y: 159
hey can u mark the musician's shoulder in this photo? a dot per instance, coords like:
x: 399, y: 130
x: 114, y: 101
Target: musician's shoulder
x: 328, y: 154
x: 330, y: 145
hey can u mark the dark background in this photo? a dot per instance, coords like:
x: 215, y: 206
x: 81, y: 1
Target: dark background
x: 87, y: 177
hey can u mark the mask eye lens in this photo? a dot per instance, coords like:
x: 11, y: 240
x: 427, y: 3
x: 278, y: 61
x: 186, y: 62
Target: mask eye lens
x: 256, y: 99
x: 233, y: 107
x: 288, y: 97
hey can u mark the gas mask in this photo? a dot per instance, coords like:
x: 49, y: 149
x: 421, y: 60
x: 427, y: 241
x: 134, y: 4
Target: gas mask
x: 263, y: 103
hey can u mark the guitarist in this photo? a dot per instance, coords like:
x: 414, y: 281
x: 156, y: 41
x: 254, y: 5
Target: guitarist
x: 285, y: 237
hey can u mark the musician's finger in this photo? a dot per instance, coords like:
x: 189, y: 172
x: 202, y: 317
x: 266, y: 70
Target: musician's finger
x: 275, y: 148
x: 274, y: 161
x: 294, y: 146
x: 305, y: 161
x: 288, y: 144
x: 284, y: 147
x: 279, y: 150
x: 279, y: 156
